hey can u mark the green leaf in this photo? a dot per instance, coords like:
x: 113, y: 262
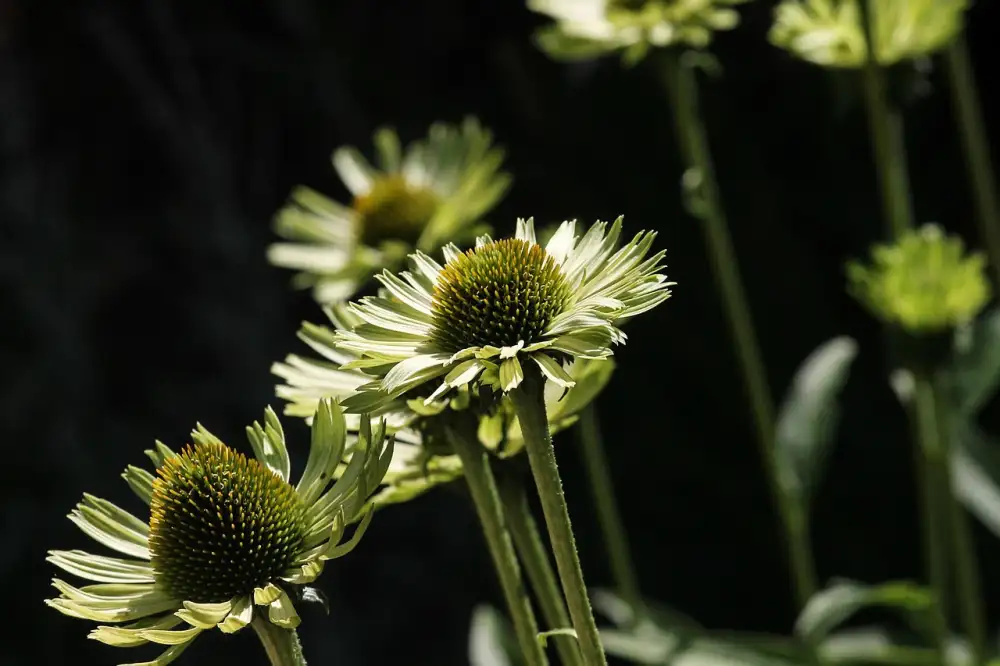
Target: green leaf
x: 976, y: 368
x: 829, y: 608
x: 872, y: 645
x: 809, y: 415
x: 975, y: 462
x: 491, y: 639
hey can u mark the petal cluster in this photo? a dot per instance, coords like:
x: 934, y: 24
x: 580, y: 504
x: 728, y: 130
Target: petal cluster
x: 431, y: 193
x: 830, y: 32
x: 924, y: 283
x: 585, y: 29
x: 221, y: 524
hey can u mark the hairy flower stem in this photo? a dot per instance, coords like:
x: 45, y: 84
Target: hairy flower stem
x: 486, y: 497
x: 535, y: 557
x: 682, y: 89
x: 969, y: 117
x: 282, y: 645
x: 933, y: 434
x: 608, y: 514
x: 885, y: 123
x: 529, y: 404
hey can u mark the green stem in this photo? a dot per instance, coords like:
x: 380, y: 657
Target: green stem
x: 529, y: 404
x: 969, y: 116
x: 608, y: 514
x: 682, y: 88
x: 886, y: 126
x: 486, y: 497
x: 282, y: 645
x: 535, y: 557
x: 933, y: 434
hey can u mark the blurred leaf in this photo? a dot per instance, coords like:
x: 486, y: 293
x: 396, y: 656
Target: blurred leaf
x: 829, y: 608
x: 809, y: 415
x: 976, y: 369
x: 873, y: 645
x: 975, y: 468
x: 491, y: 639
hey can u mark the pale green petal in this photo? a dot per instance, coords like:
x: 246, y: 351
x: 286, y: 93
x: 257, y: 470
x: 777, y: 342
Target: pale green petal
x: 159, y: 453
x: 130, y: 634
x: 416, y: 298
x: 204, y: 616
x: 100, y: 568
x: 151, y: 603
x: 239, y: 617
x: 329, y: 435
x: 140, y: 481
x: 414, y: 371
x: 334, y: 550
x: 553, y: 370
x: 562, y: 241
x: 268, y: 442
x: 262, y: 596
x: 354, y: 170
x: 115, y: 528
x: 390, y: 152
x: 511, y: 374
x: 281, y: 612
x: 588, y: 343
x: 312, y: 258
x: 525, y: 230
x: 168, y: 637
x: 305, y: 573
x: 425, y: 267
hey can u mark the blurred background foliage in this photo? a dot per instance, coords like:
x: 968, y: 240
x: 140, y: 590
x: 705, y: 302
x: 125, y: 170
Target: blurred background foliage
x: 146, y: 146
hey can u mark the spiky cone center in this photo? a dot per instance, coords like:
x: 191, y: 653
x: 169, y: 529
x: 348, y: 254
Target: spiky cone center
x: 221, y: 524
x: 394, y: 209
x: 500, y: 294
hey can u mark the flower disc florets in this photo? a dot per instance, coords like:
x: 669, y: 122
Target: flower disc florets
x: 499, y: 294
x: 221, y: 525
x: 394, y: 210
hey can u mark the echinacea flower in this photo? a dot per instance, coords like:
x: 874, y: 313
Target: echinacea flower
x: 830, y: 32
x: 586, y: 29
x: 924, y: 283
x: 478, y: 318
x: 417, y: 467
x: 228, y: 536
x: 432, y: 193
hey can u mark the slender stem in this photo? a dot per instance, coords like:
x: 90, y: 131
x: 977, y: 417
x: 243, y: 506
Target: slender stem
x: 486, y: 497
x: 886, y: 126
x: 282, y: 645
x: 608, y: 514
x: 529, y: 404
x: 932, y: 423
x: 682, y: 88
x: 975, y: 145
x: 535, y: 557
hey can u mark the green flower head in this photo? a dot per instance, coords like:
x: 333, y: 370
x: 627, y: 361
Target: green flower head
x: 228, y: 537
x: 417, y: 467
x: 429, y: 195
x: 830, y: 32
x: 471, y: 323
x: 586, y: 29
x: 924, y: 283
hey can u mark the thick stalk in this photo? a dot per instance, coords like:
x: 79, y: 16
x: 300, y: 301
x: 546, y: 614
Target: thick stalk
x: 535, y: 557
x: 885, y: 123
x: 693, y: 140
x: 486, y: 497
x: 608, y: 514
x: 282, y: 645
x: 529, y: 404
x: 933, y: 431
x: 975, y: 145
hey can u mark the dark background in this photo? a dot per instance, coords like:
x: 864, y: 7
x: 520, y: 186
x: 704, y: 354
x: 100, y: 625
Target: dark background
x: 146, y: 145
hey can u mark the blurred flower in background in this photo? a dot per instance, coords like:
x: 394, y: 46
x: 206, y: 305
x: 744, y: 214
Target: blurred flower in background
x: 924, y: 283
x: 586, y: 29
x: 830, y: 32
x: 433, y: 193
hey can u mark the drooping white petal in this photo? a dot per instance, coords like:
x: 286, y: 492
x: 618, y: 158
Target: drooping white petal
x: 100, y: 568
x: 511, y: 374
x: 268, y: 442
x: 553, y: 370
x: 130, y: 634
x: 357, y: 174
x: 329, y: 435
x: 240, y: 616
x: 140, y: 481
x: 204, y: 616
x: 414, y: 371
x: 281, y: 612
x: 151, y: 603
x: 525, y: 230
x: 170, y: 637
x: 561, y: 243
x: 115, y: 528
